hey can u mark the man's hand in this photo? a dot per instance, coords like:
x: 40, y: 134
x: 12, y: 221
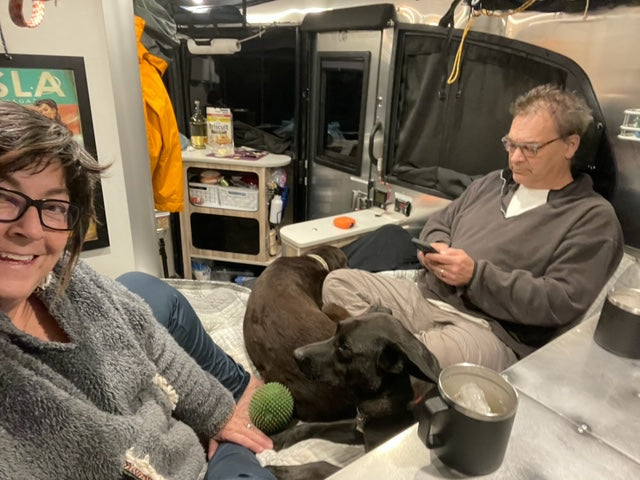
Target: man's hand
x: 239, y: 428
x: 452, y: 265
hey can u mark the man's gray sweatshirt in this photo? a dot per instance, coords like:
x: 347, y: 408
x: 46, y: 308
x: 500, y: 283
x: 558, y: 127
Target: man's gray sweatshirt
x: 535, y: 273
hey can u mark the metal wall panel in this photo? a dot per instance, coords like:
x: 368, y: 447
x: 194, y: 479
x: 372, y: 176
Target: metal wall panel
x: 604, y: 43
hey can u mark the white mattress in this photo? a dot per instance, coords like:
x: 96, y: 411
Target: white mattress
x: 221, y: 306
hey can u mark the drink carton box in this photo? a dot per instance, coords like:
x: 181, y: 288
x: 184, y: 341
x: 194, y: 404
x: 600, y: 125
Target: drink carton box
x: 220, y: 131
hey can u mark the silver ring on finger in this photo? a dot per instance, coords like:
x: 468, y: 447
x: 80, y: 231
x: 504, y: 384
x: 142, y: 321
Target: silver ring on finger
x: 442, y: 272
x: 249, y: 426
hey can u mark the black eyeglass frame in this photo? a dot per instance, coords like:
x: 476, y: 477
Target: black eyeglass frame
x: 73, y: 212
x: 533, y: 148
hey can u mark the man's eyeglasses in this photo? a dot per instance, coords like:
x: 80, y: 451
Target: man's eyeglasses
x: 54, y: 214
x: 529, y: 150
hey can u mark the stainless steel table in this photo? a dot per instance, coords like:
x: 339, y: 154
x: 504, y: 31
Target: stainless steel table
x: 578, y: 418
x: 582, y: 382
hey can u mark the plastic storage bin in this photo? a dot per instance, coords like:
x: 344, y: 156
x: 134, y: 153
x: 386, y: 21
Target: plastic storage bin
x: 217, y: 196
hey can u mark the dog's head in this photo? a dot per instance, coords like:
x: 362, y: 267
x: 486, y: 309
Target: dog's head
x: 333, y: 256
x: 365, y: 352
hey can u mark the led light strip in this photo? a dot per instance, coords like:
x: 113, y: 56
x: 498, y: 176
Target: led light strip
x: 37, y: 13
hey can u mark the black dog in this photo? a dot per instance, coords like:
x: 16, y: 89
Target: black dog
x: 284, y: 312
x: 376, y: 357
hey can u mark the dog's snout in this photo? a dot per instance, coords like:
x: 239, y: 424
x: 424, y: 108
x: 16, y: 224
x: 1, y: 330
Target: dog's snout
x: 303, y: 360
x: 298, y: 354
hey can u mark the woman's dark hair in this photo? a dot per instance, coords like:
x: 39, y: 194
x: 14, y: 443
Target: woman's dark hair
x: 30, y: 141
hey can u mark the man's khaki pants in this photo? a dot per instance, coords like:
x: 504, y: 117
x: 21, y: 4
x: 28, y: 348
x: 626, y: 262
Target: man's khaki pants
x: 450, y: 337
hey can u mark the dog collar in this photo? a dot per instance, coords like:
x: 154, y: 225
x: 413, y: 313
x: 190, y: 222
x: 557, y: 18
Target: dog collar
x: 320, y: 260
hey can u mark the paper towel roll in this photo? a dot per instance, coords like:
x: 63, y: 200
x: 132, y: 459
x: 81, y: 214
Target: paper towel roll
x: 217, y: 46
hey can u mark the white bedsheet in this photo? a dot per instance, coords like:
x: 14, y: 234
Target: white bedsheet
x: 221, y: 306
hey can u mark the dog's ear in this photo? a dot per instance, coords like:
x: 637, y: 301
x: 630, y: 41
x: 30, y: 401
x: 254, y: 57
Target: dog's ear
x: 393, y: 360
x: 424, y: 364
x: 335, y: 312
x: 410, y: 356
x: 334, y: 256
x: 336, y: 259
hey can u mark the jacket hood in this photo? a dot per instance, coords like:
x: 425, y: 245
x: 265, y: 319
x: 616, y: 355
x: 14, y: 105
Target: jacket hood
x: 143, y: 54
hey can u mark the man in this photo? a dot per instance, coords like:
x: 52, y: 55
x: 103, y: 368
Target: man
x: 522, y: 253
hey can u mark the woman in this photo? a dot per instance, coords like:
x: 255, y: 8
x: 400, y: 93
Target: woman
x: 48, y: 108
x: 90, y: 385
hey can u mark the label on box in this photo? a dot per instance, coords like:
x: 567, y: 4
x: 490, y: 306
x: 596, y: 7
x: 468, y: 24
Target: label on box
x: 220, y: 131
x: 230, y: 198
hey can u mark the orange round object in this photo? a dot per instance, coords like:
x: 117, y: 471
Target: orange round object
x: 344, y: 222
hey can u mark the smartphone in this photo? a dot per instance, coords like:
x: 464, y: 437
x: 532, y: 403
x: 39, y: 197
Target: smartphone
x: 424, y: 247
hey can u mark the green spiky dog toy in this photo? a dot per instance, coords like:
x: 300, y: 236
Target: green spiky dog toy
x: 271, y: 407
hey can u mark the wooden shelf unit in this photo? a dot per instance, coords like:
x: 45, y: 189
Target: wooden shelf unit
x: 262, y: 168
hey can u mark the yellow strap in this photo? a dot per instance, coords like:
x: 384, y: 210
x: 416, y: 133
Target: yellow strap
x: 455, y: 69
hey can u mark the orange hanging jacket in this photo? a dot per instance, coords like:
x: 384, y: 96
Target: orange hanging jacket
x: 165, y: 154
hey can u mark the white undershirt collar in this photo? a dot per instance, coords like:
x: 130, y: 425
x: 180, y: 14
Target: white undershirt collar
x: 525, y: 199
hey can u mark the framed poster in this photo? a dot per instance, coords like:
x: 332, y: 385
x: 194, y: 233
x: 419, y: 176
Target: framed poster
x: 57, y: 87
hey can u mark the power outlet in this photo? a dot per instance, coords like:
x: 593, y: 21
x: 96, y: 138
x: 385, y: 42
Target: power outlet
x: 380, y: 198
x: 403, y: 205
x: 359, y: 200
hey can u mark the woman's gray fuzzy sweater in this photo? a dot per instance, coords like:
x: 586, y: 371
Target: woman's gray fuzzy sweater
x: 121, y: 395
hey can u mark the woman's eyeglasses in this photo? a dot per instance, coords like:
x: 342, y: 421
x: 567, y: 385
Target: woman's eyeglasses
x: 54, y: 214
x: 529, y: 150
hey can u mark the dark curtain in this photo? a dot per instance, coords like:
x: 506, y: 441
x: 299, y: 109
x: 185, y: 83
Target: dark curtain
x: 444, y: 136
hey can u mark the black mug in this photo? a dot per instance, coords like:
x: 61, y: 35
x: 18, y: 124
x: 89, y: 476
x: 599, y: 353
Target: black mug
x: 618, y: 329
x: 469, y: 424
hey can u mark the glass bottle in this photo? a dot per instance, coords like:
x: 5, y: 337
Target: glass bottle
x: 198, y: 127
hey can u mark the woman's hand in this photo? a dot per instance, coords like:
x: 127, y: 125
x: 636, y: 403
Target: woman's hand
x: 452, y: 265
x: 239, y: 428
